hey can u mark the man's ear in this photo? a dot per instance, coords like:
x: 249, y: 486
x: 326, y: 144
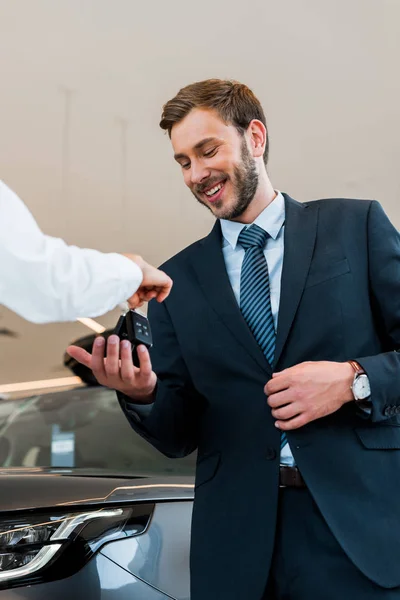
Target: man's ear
x: 258, y: 137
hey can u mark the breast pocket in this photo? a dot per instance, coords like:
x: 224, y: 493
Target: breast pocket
x: 321, y: 274
x: 380, y: 437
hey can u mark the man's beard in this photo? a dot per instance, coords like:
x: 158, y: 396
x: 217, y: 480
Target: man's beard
x: 244, y: 183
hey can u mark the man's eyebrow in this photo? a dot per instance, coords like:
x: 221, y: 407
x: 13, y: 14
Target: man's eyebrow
x: 198, y: 146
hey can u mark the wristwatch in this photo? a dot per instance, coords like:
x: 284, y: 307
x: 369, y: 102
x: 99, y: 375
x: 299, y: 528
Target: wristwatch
x: 360, y: 386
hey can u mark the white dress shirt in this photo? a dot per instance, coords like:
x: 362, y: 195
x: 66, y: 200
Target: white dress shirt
x: 272, y: 220
x: 45, y: 280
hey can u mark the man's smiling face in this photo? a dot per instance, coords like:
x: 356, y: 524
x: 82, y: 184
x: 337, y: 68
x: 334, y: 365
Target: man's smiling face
x: 216, y: 163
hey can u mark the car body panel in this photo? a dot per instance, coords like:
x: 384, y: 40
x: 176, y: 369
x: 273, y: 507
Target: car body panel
x: 26, y: 489
x: 161, y: 553
x: 100, y: 579
x: 74, y: 451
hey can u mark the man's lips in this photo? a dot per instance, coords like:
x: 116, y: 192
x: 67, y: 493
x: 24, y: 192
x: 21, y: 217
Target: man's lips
x: 218, y: 194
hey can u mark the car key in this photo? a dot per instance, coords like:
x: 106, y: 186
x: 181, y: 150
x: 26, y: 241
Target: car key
x: 135, y: 328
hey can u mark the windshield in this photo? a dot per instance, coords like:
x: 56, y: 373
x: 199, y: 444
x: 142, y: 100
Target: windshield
x: 82, y: 428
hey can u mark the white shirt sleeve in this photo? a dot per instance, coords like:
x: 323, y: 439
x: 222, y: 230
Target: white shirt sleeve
x: 45, y: 280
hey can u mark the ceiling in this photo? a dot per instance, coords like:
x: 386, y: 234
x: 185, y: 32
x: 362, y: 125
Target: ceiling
x: 82, y: 86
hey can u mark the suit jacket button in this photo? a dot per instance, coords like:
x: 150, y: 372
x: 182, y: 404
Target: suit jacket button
x: 270, y: 454
x: 388, y: 411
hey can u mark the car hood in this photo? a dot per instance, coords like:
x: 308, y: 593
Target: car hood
x: 25, y: 489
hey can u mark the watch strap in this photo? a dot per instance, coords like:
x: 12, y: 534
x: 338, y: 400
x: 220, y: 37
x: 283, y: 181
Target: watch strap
x: 363, y: 404
x: 357, y: 367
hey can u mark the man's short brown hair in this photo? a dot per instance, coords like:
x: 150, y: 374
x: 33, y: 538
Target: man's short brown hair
x: 233, y: 101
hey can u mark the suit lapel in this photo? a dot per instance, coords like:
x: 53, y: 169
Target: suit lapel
x: 299, y: 241
x: 209, y: 265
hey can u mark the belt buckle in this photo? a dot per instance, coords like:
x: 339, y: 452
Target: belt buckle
x: 289, y: 472
x: 281, y: 485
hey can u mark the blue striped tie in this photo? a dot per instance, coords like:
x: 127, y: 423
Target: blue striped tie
x: 255, y: 302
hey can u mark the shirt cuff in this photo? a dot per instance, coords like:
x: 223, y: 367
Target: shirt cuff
x: 365, y: 408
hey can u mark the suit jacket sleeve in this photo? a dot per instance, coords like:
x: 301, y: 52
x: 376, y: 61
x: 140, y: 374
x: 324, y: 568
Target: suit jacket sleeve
x: 383, y: 370
x: 172, y: 424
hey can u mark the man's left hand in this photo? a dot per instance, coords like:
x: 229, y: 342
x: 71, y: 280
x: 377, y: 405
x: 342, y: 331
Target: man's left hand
x: 308, y: 391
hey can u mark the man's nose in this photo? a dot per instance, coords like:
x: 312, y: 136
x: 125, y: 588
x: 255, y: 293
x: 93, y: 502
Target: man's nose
x: 198, y: 174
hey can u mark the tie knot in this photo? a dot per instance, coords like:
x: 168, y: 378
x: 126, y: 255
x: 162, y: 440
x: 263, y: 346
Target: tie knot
x: 253, y: 236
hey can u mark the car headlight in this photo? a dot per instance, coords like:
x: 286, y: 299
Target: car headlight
x: 32, y: 545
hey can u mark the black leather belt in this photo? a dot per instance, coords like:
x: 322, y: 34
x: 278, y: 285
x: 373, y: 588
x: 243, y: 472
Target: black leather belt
x: 290, y: 477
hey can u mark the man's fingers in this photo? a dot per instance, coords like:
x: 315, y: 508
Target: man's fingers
x: 280, y: 399
x: 127, y: 366
x: 277, y: 384
x: 294, y: 423
x: 286, y: 412
x: 279, y: 373
x: 80, y: 355
x: 144, y: 361
x: 112, y: 362
x: 98, y: 358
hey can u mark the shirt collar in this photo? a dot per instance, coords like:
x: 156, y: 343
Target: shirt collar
x: 270, y: 219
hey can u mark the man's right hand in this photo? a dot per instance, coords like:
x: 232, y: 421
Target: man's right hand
x: 116, y: 370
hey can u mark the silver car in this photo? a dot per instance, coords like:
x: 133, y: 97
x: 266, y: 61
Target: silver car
x: 87, y: 508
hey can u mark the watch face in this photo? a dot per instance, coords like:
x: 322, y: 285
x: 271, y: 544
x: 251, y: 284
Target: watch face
x: 361, y: 387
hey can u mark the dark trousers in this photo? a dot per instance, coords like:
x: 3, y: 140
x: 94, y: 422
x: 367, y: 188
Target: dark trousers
x: 308, y: 562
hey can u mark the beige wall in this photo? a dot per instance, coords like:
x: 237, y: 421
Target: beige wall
x: 82, y: 84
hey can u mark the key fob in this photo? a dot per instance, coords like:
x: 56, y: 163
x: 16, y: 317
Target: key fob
x: 134, y: 327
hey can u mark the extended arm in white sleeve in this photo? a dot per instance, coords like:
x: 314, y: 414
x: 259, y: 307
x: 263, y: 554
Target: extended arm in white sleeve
x: 45, y: 280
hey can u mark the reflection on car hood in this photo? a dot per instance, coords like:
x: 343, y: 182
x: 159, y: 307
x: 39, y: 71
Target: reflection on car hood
x: 23, y: 488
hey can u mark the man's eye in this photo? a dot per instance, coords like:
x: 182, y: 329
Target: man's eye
x: 210, y: 152
x: 185, y: 165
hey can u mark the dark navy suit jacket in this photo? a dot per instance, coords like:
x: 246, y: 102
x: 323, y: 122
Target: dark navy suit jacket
x: 340, y: 300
